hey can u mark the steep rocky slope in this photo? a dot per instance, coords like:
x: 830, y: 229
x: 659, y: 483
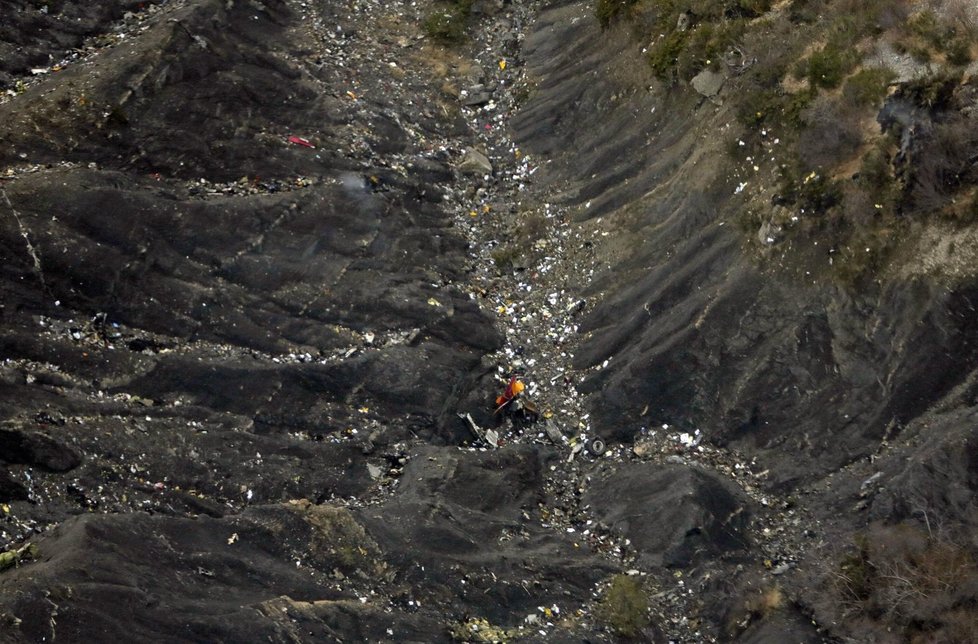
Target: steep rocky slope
x: 259, y: 258
x: 850, y: 396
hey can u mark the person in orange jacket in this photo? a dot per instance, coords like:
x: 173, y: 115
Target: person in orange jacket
x: 513, y: 389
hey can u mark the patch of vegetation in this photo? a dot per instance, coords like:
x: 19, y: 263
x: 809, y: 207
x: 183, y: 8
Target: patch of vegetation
x: 608, y: 10
x: 933, y: 92
x: 773, y: 106
x: 505, y: 258
x: 478, y: 629
x: 968, y: 212
x: 664, y: 54
x: 929, y: 37
x: 339, y: 538
x: 867, y: 87
x: 805, y: 11
x: 813, y: 193
x: 707, y: 44
x: 800, y: 76
x: 831, y: 134
x: 448, y: 21
x: 876, y: 177
x: 926, y: 26
x: 827, y: 67
x: 696, y: 35
x: 934, y: 161
x: 625, y: 606
x: 900, y: 582
x: 757, y: 605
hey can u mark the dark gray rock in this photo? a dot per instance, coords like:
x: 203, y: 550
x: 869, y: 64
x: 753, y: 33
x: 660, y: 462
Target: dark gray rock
x: 475, y: 98
x: 36, y: 449
x: 457, y: 528
x: 675, y: 516
x: 158, y: 588
x: 10, y: 489
x: 782, y: 626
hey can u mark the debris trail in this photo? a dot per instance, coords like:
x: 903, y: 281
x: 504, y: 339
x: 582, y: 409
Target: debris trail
x: 532, y: 267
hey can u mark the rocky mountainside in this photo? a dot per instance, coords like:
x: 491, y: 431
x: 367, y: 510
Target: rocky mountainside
x: 267, y: 265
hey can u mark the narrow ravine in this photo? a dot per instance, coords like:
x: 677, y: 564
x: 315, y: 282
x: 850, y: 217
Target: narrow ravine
x: 533, y: 265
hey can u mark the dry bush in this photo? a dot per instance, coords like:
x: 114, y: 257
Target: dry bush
x: 830, y: 134
x: 893, y: 14
x: 941, y: 31
x: 905, y: 582
x: 942, y: 164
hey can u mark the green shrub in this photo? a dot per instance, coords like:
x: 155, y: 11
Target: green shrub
x: 813, y: 193
x: 664, y: 54
x: 625, y: 606
x: 505, y: 258
x: 926, y: 26
x: 959, y: 50
x: 933, y: 92
x: 867, y: 87
x: 708, y: 42
x: 754, y: 8
x: 760, y: 106
x: 715, y: 28
x: 448, y: 21
x: 926, y: 36
x: 805, y: 11
x: 877, y: 178
x: 608, y: 10
x: 828, y: 66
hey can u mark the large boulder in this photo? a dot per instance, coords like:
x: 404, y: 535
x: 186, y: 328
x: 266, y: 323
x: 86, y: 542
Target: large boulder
x: 674, y: 515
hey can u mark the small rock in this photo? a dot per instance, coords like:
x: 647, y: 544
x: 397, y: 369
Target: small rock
x: 475, y: 163
x: 476, y: 98
x: 708, y: 83
x: 642, y: 449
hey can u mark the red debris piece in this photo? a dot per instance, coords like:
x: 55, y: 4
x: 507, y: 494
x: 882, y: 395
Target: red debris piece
x: 298, y: 140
